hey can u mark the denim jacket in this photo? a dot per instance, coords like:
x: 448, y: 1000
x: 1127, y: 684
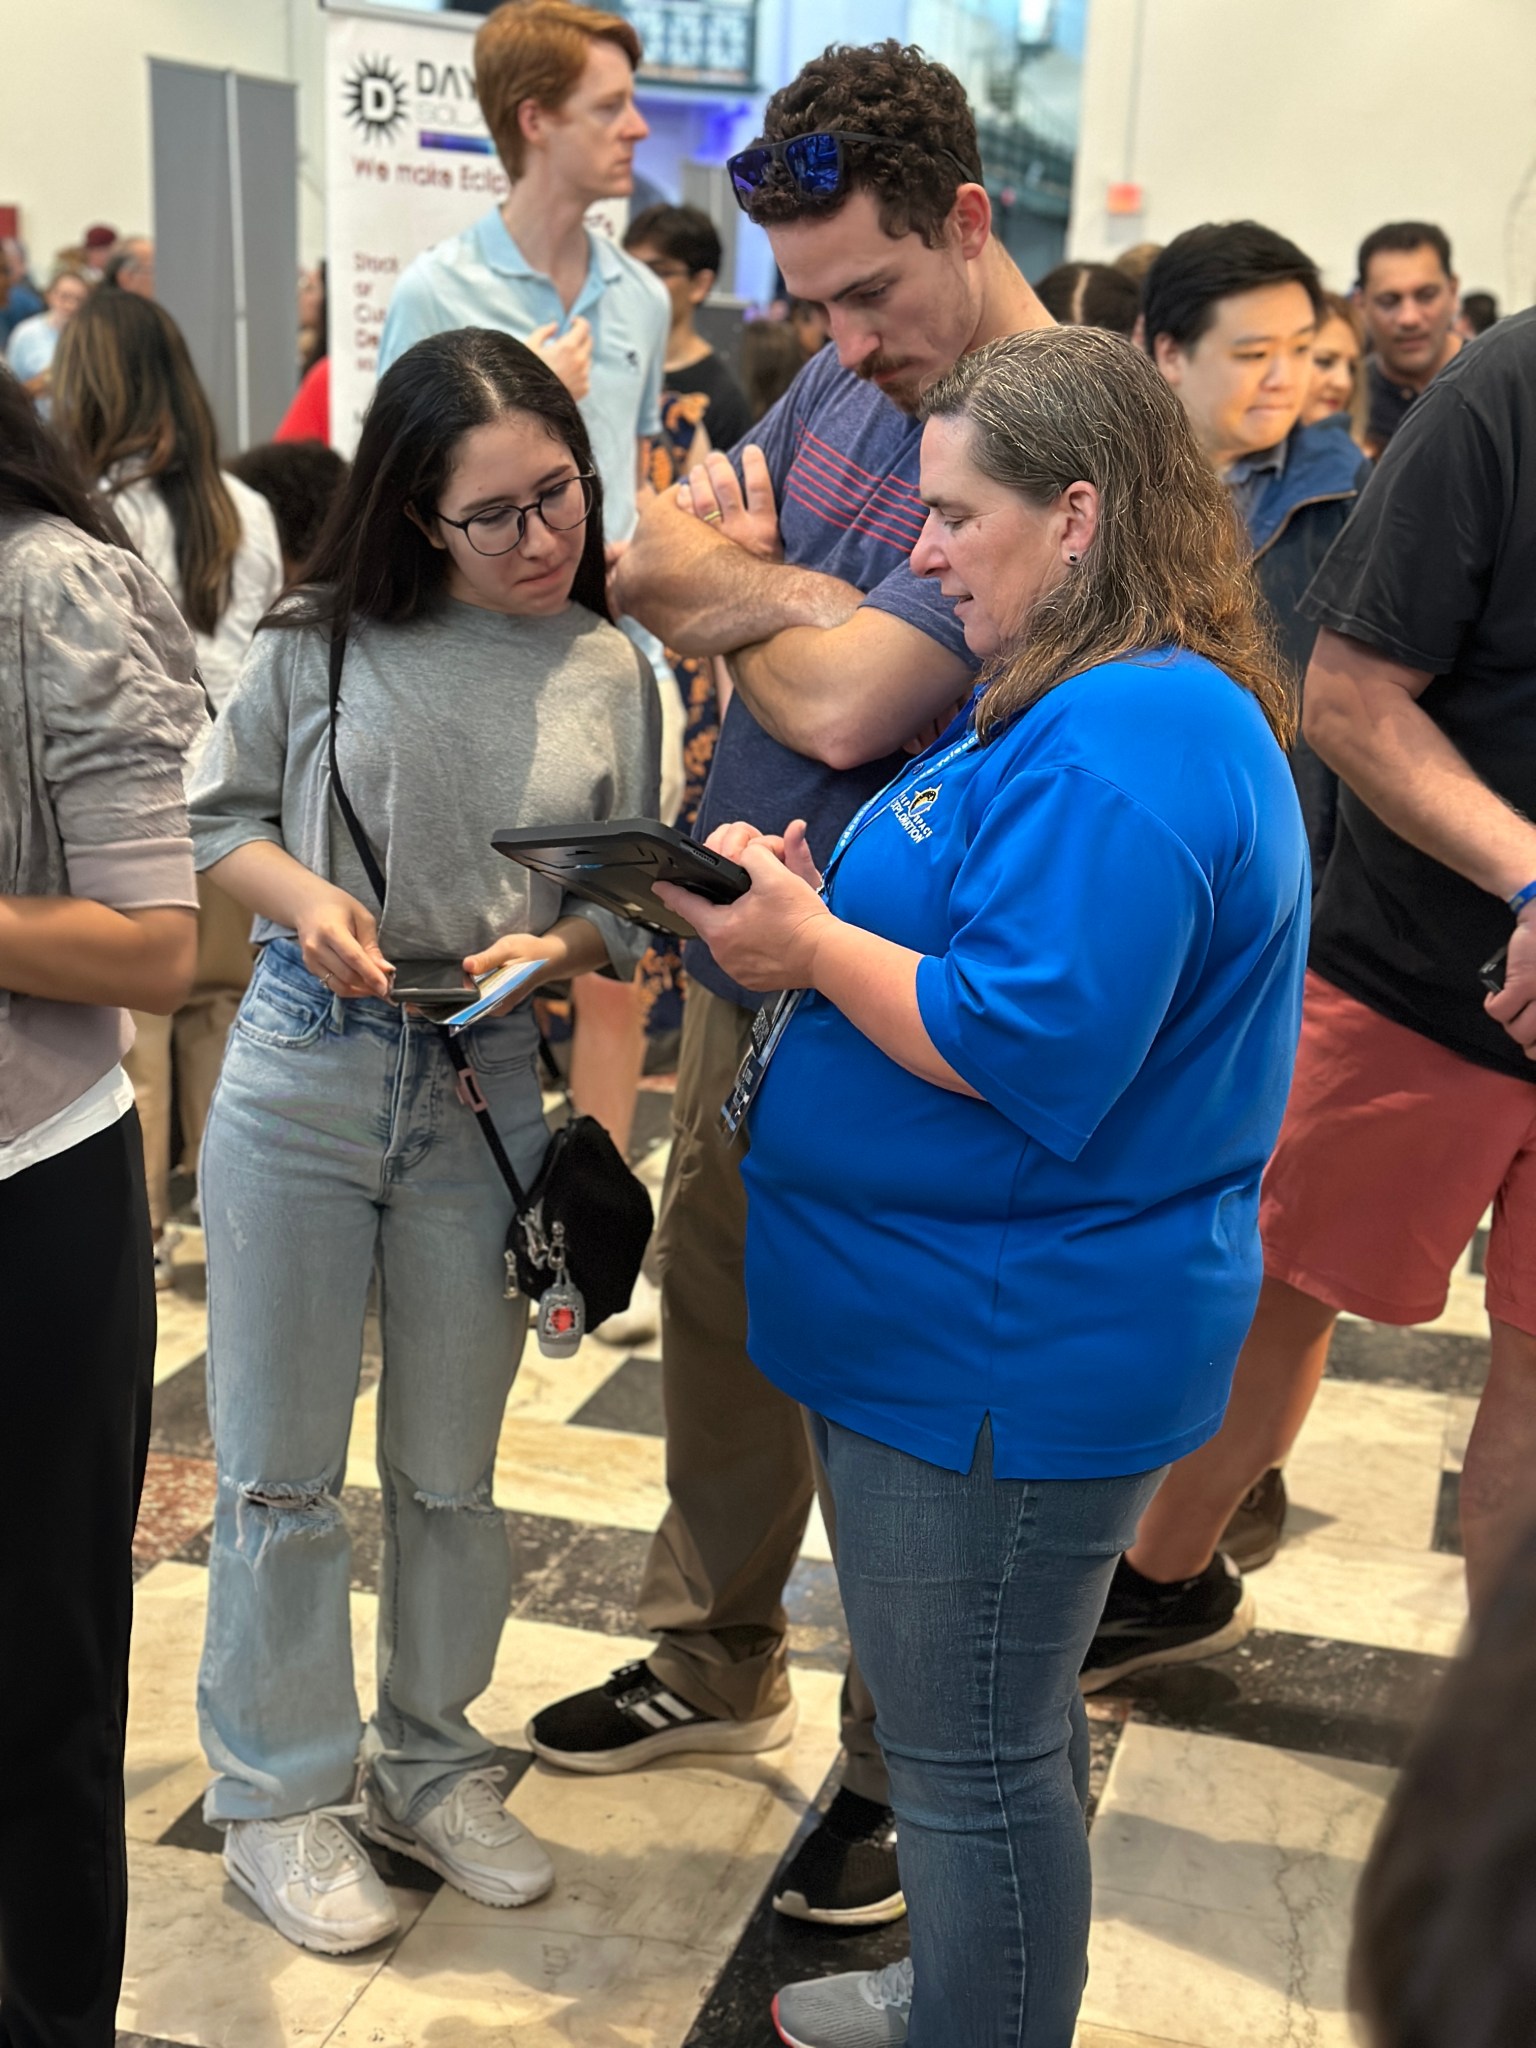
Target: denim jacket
x: 1293, y: 522
x: 99, y: 701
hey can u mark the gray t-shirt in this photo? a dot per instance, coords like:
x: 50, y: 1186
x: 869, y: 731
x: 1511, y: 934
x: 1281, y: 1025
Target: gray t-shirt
x: 450, y: 728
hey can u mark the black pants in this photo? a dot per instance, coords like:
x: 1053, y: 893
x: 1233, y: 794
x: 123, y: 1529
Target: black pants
x: 77, y: 1350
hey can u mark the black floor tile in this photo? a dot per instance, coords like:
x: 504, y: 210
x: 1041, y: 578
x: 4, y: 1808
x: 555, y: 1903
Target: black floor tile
x: 774, y: 1951
x: 1295, y: 1692
x: 1431, y: 1359
x: 589, y: 1578
x: 818, y: 1634
x: 629, y: 1399
x: 1448, y: 1515
x: 179, y: 1413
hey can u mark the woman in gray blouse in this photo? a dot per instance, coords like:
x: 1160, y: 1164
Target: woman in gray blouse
x: 99, y: 701
x: 482, y: 685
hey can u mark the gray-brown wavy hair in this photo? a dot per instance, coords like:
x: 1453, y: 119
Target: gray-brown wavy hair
x: 1169, y: 565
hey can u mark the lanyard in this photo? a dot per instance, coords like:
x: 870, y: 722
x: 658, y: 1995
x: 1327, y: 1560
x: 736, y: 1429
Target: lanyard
x: 773, y: 1019
x: 885, y: 799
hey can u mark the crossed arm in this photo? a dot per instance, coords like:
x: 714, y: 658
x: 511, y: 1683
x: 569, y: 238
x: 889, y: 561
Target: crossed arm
x: 821, y: 671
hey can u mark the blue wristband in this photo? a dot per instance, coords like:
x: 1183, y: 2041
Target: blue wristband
x: 1521, y: 897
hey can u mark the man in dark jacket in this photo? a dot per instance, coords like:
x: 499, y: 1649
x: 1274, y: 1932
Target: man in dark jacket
x: 1230, y: 313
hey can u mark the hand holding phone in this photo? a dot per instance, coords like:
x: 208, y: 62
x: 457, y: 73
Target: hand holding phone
x: 493, y: 990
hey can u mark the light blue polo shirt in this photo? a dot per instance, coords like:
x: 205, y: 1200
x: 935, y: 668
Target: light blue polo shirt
x: 482, y: 279
x: 1110, y: 901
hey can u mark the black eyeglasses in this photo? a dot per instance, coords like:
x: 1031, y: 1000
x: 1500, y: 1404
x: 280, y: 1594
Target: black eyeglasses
x: 500, y: 528
x: 815, y: 162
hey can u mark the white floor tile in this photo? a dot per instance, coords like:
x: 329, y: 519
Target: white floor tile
x: 1365, y: 1593
x: 1460, y: 1414
x: 1366, y: 1468
x: 181, y: 1333
x: 450, y: 1985
x: 204, y: 1967
x: 1224, y: 1876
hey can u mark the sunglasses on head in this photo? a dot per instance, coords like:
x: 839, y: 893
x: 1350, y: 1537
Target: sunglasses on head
x: 815, y: 162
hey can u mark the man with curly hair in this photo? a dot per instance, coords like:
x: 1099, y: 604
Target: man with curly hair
x: 789, y: 558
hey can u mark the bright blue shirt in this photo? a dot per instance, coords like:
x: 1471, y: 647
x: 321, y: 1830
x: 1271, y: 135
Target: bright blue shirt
x: 1111, y: 902
x: 844, y: 462
x: 482, y: 279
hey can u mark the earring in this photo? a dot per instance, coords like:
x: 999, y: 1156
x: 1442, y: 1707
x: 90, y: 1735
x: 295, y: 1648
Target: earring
x: 1073, y: 559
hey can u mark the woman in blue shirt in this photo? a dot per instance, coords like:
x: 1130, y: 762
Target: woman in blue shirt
x: 1005, y: 1160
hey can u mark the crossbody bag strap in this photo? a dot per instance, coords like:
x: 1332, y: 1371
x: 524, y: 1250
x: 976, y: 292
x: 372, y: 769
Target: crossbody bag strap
x: 365, y: 852
x: 468, y: 1086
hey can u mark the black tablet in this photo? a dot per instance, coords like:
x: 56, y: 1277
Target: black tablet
x: 617, y: 863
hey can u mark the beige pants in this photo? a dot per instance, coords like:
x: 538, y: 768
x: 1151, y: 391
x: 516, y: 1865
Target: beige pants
x: 740, y: 1469
x: 186, y: 1051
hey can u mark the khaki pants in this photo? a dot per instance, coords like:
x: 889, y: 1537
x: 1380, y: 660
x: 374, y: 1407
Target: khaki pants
x: 740, y: 1469
x: 189, y: 1045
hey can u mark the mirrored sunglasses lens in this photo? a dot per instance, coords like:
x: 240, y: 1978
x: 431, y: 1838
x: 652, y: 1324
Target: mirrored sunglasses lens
x: 815, y: 162
x: 748, y: 167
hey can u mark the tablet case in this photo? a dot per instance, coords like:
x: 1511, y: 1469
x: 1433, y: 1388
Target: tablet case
x: 616, y: 864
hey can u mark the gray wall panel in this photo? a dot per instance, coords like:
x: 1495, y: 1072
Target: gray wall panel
x: 225, y: 151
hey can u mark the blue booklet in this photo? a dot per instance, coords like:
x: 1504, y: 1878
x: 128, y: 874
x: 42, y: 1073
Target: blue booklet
x: 494, y: 988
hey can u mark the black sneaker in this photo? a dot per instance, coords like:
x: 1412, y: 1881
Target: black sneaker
x: 1257, y: 1526
x: 845, y: 1874
x: 635, y: 1718
x: 1148, y: 1623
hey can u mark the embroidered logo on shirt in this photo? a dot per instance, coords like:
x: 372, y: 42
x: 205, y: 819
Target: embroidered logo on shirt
x: 909, y: 809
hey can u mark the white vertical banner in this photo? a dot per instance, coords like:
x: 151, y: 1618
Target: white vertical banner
x: 408, y: 163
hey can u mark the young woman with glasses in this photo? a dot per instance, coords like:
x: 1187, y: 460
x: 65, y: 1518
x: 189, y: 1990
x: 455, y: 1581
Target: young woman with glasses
x: 481, y: 685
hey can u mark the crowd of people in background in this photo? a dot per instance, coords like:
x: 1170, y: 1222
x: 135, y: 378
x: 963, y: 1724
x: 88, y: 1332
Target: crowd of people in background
x: 1189, y: 587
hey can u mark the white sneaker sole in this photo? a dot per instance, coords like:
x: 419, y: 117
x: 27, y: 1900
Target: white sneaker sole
x: 405, y: 1842
x: 880, y: 1914
x: 322, y: 1940
x: 1196, y: 1652
x: 714, y: 1738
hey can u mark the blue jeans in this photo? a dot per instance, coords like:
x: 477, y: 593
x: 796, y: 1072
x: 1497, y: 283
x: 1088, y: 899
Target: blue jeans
x: 336, y: 1145
x: 971, y: 1601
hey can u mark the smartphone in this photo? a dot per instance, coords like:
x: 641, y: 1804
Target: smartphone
x: 438, y: 986
x: 494, y: 988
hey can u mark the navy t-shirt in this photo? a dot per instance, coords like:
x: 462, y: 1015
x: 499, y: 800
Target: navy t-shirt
x: 1111, y: 904
x: 844, y: 463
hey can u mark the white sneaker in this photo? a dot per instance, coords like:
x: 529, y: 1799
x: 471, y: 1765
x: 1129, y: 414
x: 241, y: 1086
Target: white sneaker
x: 470, y: 1839
x: 635, y: 1324
x: 312, y: 1880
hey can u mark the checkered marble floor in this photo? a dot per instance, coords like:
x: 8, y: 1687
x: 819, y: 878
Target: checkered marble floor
x: 1234, y: 1801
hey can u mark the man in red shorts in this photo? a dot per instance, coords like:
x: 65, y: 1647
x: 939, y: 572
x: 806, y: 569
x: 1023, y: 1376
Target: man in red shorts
x: 1414, y: 1100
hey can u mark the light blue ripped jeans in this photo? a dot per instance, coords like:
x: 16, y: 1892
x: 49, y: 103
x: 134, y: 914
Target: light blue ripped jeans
x: 336, y: 1143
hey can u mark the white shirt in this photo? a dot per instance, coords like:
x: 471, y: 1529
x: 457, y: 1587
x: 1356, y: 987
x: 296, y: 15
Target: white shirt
x: 102, y: 1104
x: 254, y: 585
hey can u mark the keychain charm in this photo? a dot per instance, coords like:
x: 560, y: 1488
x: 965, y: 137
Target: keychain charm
x: 562, y: 1312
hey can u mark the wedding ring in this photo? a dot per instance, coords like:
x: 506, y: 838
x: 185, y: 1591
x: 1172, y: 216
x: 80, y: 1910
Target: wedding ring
x: 325, y: 977
x: 709, y: 518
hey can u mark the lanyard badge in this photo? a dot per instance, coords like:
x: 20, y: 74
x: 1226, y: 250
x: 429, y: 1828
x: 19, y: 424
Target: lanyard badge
x: 768, y: 1028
